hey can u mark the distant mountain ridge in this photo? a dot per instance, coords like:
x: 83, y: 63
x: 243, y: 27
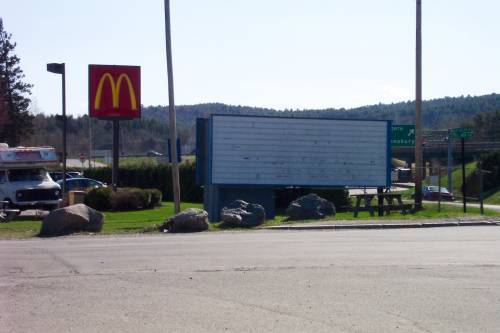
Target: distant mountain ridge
x: 438, y: 113
x: 151, y: 132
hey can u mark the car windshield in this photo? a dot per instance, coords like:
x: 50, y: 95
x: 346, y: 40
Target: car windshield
x: 26, y: 175
x: 436, y: 189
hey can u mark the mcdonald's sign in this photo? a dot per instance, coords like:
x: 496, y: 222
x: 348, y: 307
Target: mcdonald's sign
x: 114, y: 91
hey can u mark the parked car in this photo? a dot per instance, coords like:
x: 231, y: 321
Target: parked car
x: 432, y: 193
x: 74, y: 174
x: 81, y: 184
x: 58, y: 175
x: 153, y: 153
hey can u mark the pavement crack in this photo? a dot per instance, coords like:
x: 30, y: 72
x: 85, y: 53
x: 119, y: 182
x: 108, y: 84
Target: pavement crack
x: 72, y: 268
x: 412, y: 322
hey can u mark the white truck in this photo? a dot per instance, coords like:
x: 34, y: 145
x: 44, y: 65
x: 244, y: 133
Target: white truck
x: 24, y: 180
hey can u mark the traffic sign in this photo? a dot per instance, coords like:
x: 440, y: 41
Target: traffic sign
x: 461, y: 133
x: 82, y: 157
x: 403, y: 135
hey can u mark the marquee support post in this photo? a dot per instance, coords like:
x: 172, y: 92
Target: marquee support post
x: 116, y: 157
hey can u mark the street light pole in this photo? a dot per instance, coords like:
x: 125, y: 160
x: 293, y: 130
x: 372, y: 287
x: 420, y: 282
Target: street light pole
x: 418, y: 109
x: 60, y: 68
x: 171, y: 107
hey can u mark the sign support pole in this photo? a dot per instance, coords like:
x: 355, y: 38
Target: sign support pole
x: 439, y: 189
x: 418, y: 109
x: 450, y: 161
x: 172, y: 118
x: 481, y: 187
x: 90, y: 143
x: 116, y: 159
x: 462, y: 141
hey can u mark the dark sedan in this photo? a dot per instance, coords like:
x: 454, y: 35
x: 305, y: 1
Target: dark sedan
x: 432, y: 193
x: 81, y: 184
x: 58, y: 175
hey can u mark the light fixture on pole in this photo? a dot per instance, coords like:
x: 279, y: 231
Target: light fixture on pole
x: 60, y: 68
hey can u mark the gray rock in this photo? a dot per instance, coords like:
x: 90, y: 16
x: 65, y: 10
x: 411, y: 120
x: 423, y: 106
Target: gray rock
x: 75, y: 218
x: 240, y: 213
x: 310, y: 206
x: 189, y: 220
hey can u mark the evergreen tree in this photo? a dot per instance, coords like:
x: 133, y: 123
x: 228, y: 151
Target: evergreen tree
x: 16, y: 122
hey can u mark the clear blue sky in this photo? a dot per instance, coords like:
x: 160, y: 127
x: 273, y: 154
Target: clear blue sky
x: 270, y: 53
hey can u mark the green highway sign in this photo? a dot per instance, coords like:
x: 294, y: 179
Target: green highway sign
x: 461, y: 133
x: 403, y: 135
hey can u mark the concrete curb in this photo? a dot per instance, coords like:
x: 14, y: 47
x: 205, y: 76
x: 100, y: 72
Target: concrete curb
x: 382, y: 226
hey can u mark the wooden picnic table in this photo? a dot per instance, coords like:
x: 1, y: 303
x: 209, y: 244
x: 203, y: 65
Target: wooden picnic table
x: 389, y: 197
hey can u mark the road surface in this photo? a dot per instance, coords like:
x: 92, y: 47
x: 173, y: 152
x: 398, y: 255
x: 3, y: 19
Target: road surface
x: 418, y: 280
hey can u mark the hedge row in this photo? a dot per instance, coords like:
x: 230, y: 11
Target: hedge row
x: 160, y: 177
x: 150, y: 176
x: 125, y: 199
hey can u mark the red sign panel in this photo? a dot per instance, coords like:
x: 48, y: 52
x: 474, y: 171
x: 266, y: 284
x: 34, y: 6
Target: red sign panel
x: 114, y: 91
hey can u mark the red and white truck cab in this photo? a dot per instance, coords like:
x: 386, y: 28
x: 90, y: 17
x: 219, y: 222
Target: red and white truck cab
x: 24, y: 180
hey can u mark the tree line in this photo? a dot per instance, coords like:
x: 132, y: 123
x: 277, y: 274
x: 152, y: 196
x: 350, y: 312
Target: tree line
x: 19, y: 126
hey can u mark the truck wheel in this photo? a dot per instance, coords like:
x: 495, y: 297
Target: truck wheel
x: 8, y: 204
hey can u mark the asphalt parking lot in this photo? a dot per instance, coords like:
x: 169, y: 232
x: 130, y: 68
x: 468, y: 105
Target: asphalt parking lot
x: 408, y: 280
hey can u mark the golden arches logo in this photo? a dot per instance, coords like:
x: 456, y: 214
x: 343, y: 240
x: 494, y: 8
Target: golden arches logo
x: 115, y: 91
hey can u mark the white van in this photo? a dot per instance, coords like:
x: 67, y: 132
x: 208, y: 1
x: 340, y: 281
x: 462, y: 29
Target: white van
x: 24, y: 180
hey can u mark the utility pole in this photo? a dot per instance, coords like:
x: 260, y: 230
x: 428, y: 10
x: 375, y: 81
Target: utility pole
x: 450, y: 161
x: 464, y: 190
x: 171, y: 106
x: 418, y: 109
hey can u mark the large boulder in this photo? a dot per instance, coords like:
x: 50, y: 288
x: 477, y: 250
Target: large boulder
x: 75, y: 218
x: 240, y: 213
x: 189, y: 220
x: 310, y: 206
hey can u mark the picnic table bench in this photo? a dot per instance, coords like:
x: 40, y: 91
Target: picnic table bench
x: 390, y: 205
x: 7, y: 214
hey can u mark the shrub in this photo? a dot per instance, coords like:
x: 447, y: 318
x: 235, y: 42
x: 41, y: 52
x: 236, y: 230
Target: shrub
x: 144, y: 196
x: 155, y: 197
x: 124, y: 200
x: 99, y: 198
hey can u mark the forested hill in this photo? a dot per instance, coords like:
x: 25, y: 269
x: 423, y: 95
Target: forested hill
x: 151, y: 132
x: 437, y: 113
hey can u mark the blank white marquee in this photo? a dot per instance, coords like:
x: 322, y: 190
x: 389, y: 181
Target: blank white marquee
x: 250, y: 150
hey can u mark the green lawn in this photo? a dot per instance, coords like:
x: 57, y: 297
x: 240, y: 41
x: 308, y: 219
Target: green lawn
x: 456, y: 177
x: 137, y: 221
x: 145, y: 220
x: 493, y: 199
x: 115, y: 222
x: 430, y: 211
x: 456, y: 181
